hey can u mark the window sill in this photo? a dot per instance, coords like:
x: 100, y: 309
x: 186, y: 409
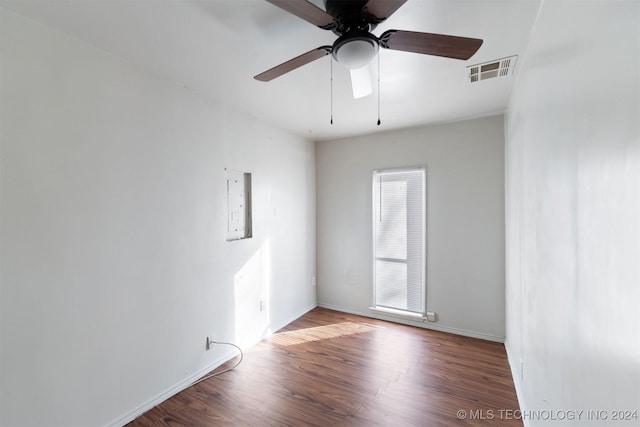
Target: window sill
x: 399, y: 313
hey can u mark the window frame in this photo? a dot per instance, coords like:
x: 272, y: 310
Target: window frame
x: 412, y: 315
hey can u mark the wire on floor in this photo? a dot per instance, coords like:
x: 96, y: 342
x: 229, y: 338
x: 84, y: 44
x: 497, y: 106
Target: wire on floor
x: 215, y: 374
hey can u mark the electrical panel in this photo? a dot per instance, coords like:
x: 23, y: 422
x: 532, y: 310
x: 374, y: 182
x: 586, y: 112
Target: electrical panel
x: 238, y: 205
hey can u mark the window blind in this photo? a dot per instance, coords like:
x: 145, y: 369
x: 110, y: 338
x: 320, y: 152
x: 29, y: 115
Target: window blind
x: 399, y: 236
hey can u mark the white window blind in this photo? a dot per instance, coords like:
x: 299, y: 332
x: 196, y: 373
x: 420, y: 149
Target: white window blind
x: 399, y: 240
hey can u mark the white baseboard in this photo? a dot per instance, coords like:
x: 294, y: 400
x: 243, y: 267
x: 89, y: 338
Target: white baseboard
x: 514, y: 365
x: 297, y: 316
x: 418, y: 323
x: 185, y: 383
x: 171, y: 391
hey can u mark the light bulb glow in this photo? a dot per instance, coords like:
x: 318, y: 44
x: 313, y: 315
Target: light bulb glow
x: 356, y: 54
x: 355, y: 50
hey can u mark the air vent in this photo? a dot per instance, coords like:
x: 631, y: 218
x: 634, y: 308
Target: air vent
x: 496, y: 68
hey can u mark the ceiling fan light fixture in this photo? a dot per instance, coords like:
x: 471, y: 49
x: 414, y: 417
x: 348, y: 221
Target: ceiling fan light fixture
x: 355, y: 50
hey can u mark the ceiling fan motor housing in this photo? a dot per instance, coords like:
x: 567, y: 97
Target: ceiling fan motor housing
x: 355, y: 49
x: 352, y: 21
x: 349, y: 16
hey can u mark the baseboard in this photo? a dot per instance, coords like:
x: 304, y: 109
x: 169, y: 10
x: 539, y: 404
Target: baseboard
x: 185, y: 383
x: 514, y: 367
x: 171, y: 391
x: 418, y: 323
x: 295, y: 317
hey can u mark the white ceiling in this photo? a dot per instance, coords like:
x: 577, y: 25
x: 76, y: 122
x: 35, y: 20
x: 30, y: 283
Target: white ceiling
x: 215, y: 47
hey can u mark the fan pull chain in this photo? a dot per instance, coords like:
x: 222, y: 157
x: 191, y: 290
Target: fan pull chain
x: 331, y: 61
x: 378, y: 88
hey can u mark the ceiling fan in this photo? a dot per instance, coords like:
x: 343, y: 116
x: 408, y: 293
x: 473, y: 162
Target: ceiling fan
x: 352, y: 21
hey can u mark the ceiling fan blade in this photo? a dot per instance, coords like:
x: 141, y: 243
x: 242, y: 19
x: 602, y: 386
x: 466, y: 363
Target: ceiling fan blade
x: 361, y: 81
x: 430, y: 44
x: 307, y: 11
x: 380, y: 10
x: 294, y: 63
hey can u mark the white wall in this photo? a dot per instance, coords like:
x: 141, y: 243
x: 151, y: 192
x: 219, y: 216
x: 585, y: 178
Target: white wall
x: 465, y: 220
x: 114, y: 264
x: 573, y: 213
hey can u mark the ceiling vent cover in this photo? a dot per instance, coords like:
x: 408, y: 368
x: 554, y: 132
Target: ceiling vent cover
x: 497, y: 68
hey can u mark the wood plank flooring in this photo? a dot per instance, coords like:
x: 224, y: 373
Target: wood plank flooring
x: 335, y: 369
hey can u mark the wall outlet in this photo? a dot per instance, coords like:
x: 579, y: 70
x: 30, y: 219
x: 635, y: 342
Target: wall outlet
x: 432, y: 316
x: 261, y: 305
x: 211, y: 342
x: 313, y: 281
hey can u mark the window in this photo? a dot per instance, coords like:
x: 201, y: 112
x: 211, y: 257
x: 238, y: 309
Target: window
x: 399, y: 230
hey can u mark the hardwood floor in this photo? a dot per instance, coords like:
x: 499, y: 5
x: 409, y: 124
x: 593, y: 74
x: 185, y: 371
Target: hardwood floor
x: 335, y: 369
